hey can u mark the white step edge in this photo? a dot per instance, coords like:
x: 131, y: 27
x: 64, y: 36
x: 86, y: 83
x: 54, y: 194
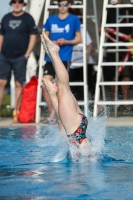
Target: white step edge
x: 116, y: 63
x: 112, y: 44
x: 89, y: 16
x: 125, y: 16
x: 79, y: 45
x: 76, y: 83
x: 77, y: 64
x: 118, y: 102
x: 119, y: 25
x: 120, y: 6
x: 117, y: 83
x: 42, y: 103
x: 119, y: 50
x: 79, y: 103
x: 72, y: 6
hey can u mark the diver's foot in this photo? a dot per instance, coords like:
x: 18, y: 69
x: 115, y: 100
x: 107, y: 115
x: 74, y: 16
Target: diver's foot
x: 50, y: 47
x: 45, y: 46
x: 51, y: 88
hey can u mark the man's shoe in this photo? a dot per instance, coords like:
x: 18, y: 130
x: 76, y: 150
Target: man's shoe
x: 78, y: 2
x: 15, y: 116
x: 114, y: 2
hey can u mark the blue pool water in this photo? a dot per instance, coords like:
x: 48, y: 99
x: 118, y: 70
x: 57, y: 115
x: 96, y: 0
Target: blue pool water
x: 33, y: 164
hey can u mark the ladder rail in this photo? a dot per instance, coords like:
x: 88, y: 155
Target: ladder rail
x: 85, y: 60
x: 117, y: 59
x: 39, y: 91
x: 97, y: 32
x: 103, y: 93
x: 42, y: 55
x: 95, y: 110
x: 96, y: 23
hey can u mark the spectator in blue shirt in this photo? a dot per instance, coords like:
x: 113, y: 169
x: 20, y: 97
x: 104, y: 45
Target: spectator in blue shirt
x: 64, y: 30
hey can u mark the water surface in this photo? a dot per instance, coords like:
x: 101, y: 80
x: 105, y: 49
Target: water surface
x: 34, y: 164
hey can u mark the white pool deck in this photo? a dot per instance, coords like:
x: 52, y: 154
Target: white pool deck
x: 112, y: 121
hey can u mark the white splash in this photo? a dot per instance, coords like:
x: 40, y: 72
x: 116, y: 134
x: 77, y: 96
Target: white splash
x: 56, y: 145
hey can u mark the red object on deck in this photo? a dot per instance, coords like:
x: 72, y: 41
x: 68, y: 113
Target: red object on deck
x: 28, y: 101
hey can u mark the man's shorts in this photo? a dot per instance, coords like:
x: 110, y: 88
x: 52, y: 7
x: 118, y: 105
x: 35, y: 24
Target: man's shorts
x: 17, y: 65
x: 49, y: 69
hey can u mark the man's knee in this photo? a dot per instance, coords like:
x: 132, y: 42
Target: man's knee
x: 18, y: 85
x: 3, y: 83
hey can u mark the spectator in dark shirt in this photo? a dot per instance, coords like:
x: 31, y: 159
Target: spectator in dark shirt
x: 17, y: 39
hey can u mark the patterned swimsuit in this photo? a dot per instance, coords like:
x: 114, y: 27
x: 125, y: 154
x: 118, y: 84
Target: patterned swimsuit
x: 80, y: 134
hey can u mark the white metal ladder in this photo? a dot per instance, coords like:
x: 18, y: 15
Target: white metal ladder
x: 84, y: 83
x: 103, y: 44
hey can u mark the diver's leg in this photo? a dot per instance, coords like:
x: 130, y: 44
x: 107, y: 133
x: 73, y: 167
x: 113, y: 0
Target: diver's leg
x: 67, y: 107
x: 52, y: 91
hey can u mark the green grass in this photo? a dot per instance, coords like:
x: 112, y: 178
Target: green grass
x: 6, y: 112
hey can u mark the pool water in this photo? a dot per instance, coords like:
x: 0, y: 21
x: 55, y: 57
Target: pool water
x: 34, y: 164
